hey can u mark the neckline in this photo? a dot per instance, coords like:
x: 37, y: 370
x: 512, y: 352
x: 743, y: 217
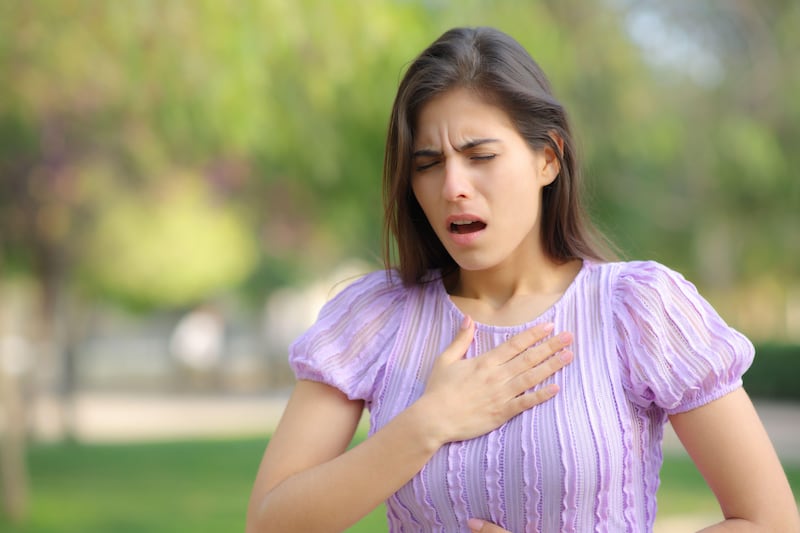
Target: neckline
x: 456, y: 311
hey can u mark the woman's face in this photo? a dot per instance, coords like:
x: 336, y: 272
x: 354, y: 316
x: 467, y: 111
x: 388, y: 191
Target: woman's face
x: 478, y: 181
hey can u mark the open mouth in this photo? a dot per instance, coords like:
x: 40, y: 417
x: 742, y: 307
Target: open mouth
x: 467, y: 226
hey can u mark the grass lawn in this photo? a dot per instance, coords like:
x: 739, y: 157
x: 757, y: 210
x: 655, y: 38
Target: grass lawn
x: 203, y: 486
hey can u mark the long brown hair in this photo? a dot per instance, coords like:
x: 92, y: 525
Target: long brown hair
x: 501, y: 71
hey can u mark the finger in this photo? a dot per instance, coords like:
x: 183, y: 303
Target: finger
x: 476, y: 524
x: 534, y: 356
x: 525, y: 401
x: 536, y: 375
x: 460, y: 344
x: 520, y: 342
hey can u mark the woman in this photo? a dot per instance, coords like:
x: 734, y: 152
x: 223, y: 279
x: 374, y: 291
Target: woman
x: 517, y: 380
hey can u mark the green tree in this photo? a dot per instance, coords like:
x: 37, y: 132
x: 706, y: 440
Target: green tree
x: 155, y: 154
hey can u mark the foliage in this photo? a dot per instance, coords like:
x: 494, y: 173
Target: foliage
x: 171, y: 248
x: 204, y: 486
x: 774, y: 372
x: 279, y: 110
x: 158, y: 154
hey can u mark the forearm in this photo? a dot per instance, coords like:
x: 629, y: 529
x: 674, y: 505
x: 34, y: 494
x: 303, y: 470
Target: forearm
x: 334, y: 495
x: 733, y: 452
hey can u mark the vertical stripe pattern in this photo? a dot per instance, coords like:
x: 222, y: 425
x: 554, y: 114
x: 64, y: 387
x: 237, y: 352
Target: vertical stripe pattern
x: 646, y: 345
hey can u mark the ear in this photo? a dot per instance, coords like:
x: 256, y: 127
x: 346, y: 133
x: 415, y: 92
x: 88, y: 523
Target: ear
x: 550, y: 163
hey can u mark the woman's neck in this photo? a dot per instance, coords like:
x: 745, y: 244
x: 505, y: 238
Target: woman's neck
x: 503, y: 296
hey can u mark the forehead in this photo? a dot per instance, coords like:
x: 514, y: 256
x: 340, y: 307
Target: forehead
x: 460, y: 114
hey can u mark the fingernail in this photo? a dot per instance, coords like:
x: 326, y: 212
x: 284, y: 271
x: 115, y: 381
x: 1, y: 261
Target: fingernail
x: 565, y: 356
x: 565, y: 337
x: 547, y: 328
x: 466, y: 322
x: 474, y: 524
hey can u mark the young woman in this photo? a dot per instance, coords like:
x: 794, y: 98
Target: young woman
x: 517, y: 379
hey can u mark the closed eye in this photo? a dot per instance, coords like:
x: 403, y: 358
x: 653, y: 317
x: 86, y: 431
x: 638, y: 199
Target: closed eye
x: 425, y: 166
x: 487, y: 157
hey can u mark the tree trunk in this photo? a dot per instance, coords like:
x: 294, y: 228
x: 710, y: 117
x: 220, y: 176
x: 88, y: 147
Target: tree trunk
x: 15, y: 363
x: 14, y: 467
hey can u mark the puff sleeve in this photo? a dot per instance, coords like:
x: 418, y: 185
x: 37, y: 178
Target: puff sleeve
x: 348, y: 345
x: 675, y: 350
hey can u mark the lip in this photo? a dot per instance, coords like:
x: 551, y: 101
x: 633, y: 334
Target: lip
x: 463, y: 239
x: 461, y: 217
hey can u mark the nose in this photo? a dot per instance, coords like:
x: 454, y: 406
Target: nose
x: 457, y: 184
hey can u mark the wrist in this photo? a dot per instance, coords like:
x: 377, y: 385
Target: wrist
x: 428, y: 431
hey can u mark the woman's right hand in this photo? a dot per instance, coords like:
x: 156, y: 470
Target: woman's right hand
x: 465, y: 398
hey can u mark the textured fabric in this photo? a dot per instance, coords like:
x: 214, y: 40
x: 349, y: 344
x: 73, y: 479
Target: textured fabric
x: 646, y: 345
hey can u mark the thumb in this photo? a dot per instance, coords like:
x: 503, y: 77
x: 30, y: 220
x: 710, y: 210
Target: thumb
x: 460, y: 344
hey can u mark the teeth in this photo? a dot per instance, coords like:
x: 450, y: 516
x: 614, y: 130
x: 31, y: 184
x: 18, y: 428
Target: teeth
x: 462, y: 222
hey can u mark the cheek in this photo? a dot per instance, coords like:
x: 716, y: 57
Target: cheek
x: 520, y: 206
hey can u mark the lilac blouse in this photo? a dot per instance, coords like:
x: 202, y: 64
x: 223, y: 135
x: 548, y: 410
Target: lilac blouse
x: 646, y: 345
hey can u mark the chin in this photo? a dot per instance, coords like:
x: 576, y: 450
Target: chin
x: 474, y: 265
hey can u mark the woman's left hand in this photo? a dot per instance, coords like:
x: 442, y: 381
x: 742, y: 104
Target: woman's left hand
x: 476, y: 524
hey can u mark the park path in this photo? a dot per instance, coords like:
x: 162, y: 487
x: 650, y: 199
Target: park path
x: 130, y: 418
x: 134, y: 417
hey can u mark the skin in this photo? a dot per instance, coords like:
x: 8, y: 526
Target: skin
x: 472, y: 164
x: 476, y: 165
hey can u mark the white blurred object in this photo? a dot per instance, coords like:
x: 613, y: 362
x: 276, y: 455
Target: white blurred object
x: 197, y: 340
x: 16, y: 356
x: 290, y: 311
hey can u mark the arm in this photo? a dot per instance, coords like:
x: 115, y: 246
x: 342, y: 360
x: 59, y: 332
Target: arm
x: 732, y: 451
x: 308, y: 482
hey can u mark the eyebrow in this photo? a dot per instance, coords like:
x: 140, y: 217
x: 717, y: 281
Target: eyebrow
x: 427, y: 152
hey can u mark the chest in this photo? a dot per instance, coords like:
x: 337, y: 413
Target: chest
x: 558, y: 455
x: 559, y: 466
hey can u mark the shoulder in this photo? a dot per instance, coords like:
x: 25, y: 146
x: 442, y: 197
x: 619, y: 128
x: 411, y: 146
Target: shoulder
x: 638, y: 279
x: 630, y: 276
x: 639, y: 270
x: 348, y: 344
x: 675, y: 349
x: 376, y: 291
x: 653, y: 295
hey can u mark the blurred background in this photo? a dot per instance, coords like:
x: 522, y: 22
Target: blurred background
x: 184, y: 183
